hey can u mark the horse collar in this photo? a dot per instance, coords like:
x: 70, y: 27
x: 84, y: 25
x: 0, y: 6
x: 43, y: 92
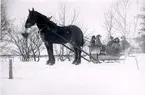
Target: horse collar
x: 43, y: 29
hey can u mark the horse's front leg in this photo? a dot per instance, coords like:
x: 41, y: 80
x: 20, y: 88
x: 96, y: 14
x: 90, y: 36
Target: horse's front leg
x: 51, y: 60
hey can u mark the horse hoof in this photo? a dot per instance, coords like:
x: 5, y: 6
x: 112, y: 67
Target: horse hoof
x: 50, y: 62
x: 78, y: 62
x: 74, y: 62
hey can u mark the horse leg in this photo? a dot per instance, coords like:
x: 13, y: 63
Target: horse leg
x: 76, y: 56
x: 51, y: 60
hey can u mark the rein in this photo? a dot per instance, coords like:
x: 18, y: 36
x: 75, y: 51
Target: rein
x: 42, y: 29
x: 45, y: 26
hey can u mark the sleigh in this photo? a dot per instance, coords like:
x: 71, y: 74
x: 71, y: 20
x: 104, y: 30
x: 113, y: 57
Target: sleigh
x: 102, y: 56
x: 107, y: 58
x: 110, y: 58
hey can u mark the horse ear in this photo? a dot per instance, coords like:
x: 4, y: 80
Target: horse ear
x: 49, y: 17
x: 29, y: 10
x: 32, y: 9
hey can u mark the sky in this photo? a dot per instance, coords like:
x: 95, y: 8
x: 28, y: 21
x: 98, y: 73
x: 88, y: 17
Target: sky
x: 91, y: 12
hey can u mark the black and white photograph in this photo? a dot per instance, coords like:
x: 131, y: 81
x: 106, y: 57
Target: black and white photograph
x: 72, y: 47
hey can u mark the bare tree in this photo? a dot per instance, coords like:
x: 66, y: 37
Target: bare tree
x: 109, y: 21
x: 35, y: 44
x: 142, y: 17
x: 136, y: 18
x: 67, y: 16
x: 141, y: 38
x: 20, y: 43
x: 116, y: 18
x: 4, y: 21
x: 26, y: 44
x: 121, y: 17
x: 4, y: 29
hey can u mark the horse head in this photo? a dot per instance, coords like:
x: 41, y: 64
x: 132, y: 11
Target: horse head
x: 31, y: 20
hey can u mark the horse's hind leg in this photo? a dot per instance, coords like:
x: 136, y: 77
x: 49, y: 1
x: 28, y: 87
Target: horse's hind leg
x: 79, y: 57
x: 76, y: 56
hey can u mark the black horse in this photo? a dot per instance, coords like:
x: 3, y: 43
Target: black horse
x: 51, y: 33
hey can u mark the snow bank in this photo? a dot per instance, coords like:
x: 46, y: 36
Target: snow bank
x: 64, y: 78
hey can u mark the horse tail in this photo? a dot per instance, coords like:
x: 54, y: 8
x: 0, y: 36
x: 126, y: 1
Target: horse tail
x: 83, y: 42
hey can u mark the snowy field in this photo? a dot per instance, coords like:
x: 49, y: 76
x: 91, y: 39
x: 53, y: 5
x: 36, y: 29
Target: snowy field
x: 64, y: 78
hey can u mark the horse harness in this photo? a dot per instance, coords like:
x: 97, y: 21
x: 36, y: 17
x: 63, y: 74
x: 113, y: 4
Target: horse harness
x: 54, y: 31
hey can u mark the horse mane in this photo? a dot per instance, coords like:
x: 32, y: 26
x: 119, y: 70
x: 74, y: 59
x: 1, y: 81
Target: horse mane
x: 50, y: 23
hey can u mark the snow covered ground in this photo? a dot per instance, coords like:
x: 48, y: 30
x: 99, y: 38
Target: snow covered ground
x: 64, y: 78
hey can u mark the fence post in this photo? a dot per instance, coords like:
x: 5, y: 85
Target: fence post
x: 137, y: 63
x: 10, y: 69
